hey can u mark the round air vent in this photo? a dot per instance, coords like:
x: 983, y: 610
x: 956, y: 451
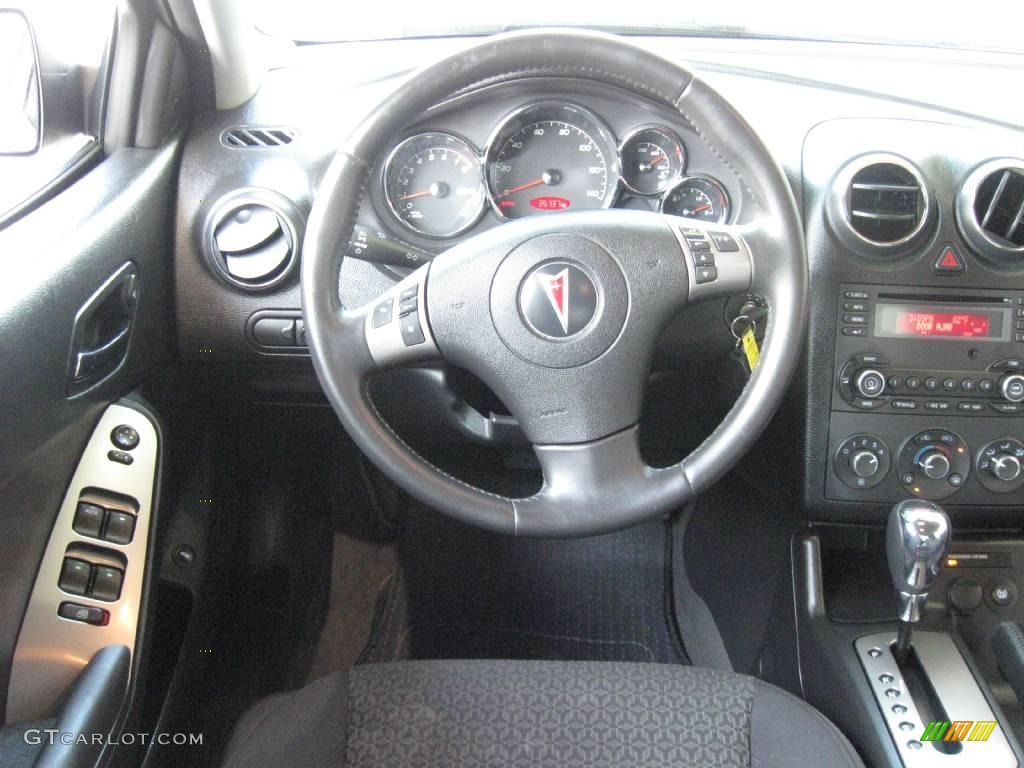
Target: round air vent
x: 990, y: 210
x: 879, y: 204
x: 251, y: 239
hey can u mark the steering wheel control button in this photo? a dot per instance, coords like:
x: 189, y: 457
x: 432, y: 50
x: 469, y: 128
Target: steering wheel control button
x: 703, y: 259
x: 1000, y: 465
x: 120, y: 457
x: 107, y: 583
x: 933, y: 464
x: 88, y: 520
x: 383, y: 313
x: 124, y: 437
x: 87, y: 614
x: 862, y: 461
x: 706, y: 275
x: 120, y: 527
x: 74, y: 576
x: 412, y: 332
x: 725, y: 242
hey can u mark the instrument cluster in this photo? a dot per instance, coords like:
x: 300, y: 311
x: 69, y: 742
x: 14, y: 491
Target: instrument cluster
x: 543, y: 158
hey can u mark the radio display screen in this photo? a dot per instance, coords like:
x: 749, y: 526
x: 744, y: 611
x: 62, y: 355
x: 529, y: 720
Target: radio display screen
x: 941, y: 322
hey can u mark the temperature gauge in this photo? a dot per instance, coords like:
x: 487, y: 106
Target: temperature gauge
x: 651, y: 160
x: 697, y: 197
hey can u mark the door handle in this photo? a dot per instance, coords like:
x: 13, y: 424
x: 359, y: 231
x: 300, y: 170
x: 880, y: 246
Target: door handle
x: 102, y: 331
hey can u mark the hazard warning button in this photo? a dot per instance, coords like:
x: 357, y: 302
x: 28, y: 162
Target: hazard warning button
x: 949, y: 261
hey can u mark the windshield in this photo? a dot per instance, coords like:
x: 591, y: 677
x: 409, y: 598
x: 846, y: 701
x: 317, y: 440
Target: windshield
x: 939, y: 23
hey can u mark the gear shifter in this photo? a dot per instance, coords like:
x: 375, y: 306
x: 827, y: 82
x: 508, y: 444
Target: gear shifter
x: 916, y: 540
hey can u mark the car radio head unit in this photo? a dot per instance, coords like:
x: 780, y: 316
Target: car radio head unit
x: 941, y: 321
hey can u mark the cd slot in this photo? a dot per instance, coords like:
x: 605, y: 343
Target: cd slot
x: 944, y: 298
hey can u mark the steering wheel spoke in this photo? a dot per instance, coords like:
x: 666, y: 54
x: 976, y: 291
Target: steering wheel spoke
x: 396, y: 325
x: 589, y: 487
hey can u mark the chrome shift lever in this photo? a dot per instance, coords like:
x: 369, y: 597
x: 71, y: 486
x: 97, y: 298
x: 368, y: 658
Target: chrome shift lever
x: 916, y: 541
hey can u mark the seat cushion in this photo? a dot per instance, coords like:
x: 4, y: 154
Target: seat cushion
x: 517, y: 713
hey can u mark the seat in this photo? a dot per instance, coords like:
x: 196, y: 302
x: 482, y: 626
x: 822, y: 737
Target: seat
x: 507, y: 714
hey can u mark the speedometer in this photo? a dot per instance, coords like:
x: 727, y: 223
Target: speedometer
x: 548, y: 157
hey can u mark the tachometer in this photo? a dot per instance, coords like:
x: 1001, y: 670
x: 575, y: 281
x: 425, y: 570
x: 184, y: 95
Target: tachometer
x: 697, y: 197
x: 548, y: 157
x: 434, y: 185
x: 652, y: 159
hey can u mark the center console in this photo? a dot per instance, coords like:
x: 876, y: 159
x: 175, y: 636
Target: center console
x: 928, y: 395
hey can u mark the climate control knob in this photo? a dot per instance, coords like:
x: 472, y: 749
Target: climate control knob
x: 861, y: 461
x: 934, y: 464
x: 864, y: 464
x: 870, y: 383
x: 1001, y: 465
x: 1011, y: 387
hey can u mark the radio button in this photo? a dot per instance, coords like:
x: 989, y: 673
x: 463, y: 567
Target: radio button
x: 986, y: 385
x: 860, y: 306
x: 871, y: 358
x: 857, y: 295
x: 870, y: 383
x: 931, y: 384
x: 967, y: 385
x: 867, y: 403
x: 1008, y: 408
x: 895, y: 382
x: 970, y: 406
x: 949, y: 385
x: 937, y: 405
x: 1011, y: 387
x: 913, y: 382
x: 1008, y: 364
x: 855, y: 331
x: 903, y: 405
x: 855, y: 319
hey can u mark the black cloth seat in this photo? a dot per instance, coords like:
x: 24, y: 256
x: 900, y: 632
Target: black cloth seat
x: 505, y: 714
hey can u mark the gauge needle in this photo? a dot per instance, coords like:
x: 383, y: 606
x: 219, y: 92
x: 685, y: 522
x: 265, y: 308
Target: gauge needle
x: 521, y: 187
x: 414, y: 195
x: 705, y: 207
x: 661, y: 158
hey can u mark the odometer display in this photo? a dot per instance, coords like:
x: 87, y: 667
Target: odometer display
x: 551, y: 157
x: 433, y: 184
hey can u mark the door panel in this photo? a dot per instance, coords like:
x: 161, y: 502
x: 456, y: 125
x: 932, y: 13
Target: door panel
x: 54, y: 261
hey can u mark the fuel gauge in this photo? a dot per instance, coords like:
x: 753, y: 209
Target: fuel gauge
x: 651, y: 160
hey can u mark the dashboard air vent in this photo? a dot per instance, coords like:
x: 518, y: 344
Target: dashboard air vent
x: 258, y: 137
x: 251, y: 239
x: 990, y: 208
x: 881, y: 201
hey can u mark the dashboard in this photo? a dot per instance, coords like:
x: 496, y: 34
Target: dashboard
x: 912, y: 195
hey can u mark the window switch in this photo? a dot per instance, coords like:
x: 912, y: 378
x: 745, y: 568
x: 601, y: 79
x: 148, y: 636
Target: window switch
x: 87, y: 614
x: 120, y: 527
x: 107, y: 584
x: 74, y: 576
x: 88, y: 519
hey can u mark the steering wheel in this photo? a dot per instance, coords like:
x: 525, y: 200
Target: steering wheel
x: 559, y: 314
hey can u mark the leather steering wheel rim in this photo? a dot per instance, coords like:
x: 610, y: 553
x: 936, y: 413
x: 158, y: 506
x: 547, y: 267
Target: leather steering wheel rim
x: 594, y: 482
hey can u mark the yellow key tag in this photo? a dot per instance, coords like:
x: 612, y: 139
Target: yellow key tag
x: 753, y: 354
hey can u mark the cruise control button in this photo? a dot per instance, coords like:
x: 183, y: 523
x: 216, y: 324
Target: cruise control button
x: 409, y: 293
x: 107, y: 584
x: 88, y: 519
x: 405, y: 306
x: 124, y: 437
x: 383, y: 313
x: 412, y: 333
x: 87, y: 614
x: 724, y: 241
